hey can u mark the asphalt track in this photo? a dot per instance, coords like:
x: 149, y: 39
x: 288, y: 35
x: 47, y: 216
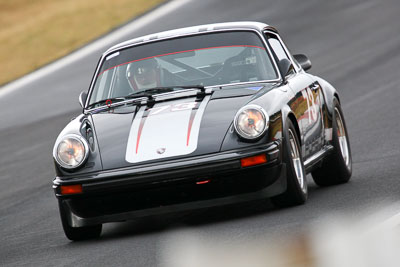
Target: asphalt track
x: 353, y: 44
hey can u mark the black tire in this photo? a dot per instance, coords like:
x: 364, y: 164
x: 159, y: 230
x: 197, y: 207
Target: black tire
x: 78, y: 233
x: 335, y: 169
x: 296, y: 192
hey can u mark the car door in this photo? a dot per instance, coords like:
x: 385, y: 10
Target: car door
x: 305, y: 99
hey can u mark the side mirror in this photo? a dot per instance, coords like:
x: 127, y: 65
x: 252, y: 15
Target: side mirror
x: 303, y: 60
x: 285, y: 67
x: 82, y: 99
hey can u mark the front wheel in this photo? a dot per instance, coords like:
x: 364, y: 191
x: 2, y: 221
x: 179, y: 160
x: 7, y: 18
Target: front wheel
x: 78, y: 233
x: 297, y: 190
x: 337, y: 167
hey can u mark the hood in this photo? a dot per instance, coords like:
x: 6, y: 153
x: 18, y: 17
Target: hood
x: 172, y: 129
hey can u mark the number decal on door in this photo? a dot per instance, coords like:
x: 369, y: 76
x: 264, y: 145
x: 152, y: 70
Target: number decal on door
x: 311, y: 106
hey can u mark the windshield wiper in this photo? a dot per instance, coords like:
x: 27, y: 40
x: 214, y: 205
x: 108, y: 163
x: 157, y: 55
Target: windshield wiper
x: 159, y: 90
x: 149, y: 92
x: 146, y: 93
x: 107, y: 101
x: 198, y: 86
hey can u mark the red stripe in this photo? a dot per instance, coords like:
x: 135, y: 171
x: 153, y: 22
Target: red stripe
x: 192, y: 115
x: 203, y: 182
x: 189, y: 130
x: 173, y: 53
x: 139, y: 133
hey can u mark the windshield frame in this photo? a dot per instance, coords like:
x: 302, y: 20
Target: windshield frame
x: 112, y: 51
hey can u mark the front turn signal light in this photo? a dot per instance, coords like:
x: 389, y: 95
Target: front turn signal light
x: 71, y: 189
x: 255, y: 160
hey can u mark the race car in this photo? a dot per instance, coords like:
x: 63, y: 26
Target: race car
x: 194, y: 118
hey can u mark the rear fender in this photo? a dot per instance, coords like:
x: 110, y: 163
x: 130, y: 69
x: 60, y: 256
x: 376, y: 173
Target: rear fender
x: 329, y: 93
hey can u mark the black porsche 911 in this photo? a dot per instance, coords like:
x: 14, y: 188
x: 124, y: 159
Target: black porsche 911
x: 194, y: 118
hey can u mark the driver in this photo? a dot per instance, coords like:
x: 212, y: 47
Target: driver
x: 143, y: 74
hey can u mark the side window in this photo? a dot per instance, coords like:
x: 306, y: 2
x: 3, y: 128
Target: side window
x: 277, y: 47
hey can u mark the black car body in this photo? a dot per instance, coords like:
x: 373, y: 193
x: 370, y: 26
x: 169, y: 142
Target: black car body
x: 229, y: 115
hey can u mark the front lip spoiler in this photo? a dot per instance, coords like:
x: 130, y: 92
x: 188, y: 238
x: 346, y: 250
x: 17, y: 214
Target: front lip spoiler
x: 276, y: 188
x: 166, y: 171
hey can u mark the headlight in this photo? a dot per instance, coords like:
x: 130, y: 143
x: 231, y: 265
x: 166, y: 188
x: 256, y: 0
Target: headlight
x: 71, y: 151
x: 251, y: 121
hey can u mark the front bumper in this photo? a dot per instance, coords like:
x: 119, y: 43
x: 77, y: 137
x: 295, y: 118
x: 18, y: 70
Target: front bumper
x: 198, y: 182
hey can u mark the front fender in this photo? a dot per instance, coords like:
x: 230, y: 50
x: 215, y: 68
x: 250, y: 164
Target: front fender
x: 271, y: 102
x: 80, y: 126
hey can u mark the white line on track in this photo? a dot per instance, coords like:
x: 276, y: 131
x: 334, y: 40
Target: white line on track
x: 107, y: 40
x: 391, y: 223
x: 388, y: 220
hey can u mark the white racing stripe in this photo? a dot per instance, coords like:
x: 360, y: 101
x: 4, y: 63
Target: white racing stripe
x: 99, y: 44
x: 166, y: 130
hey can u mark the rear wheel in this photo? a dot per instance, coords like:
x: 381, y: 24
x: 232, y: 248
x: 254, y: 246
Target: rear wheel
x: 337, y: 167
x: 297, y: 190
x: 78, y: 233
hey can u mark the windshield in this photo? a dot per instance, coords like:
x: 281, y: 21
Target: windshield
x: 208, y: 60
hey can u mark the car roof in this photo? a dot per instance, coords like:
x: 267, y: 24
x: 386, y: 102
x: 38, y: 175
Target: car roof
x: 242, y: 25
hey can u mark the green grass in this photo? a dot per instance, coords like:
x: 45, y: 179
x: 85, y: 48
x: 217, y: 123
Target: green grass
x: 36, y: 32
